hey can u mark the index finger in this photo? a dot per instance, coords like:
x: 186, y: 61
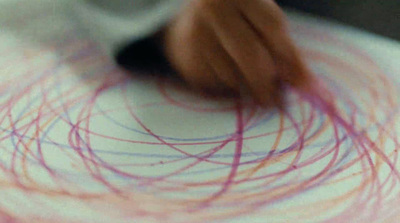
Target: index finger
x: 269, y: 21
x: 245, y: 48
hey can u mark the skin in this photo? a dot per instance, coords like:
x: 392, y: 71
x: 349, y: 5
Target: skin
x: 225, y: 46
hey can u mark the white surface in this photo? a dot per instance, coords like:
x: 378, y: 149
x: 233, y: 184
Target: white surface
x: 82, y: 141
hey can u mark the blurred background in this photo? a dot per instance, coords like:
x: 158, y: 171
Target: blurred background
x: 377, y: 16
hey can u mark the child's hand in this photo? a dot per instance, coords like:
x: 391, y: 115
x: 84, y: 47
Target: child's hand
x: 222, y: 45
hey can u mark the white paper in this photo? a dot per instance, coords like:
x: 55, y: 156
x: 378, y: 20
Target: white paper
x: 83, y: 141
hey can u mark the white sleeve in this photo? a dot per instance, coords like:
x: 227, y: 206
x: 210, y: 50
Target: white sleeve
x: 115, y: 23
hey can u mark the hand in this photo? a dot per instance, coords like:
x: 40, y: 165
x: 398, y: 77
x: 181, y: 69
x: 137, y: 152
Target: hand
x: 225, y: 45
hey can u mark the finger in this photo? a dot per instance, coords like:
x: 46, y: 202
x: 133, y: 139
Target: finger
x: 223, y: 65
x: 269, y: 21
x: 244, y: 47
x: 195, y: 71
x: 182, y: 52
x: 278, y: 98
x: 202, y: 77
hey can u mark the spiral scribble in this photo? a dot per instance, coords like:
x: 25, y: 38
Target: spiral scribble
x: 83, y: 141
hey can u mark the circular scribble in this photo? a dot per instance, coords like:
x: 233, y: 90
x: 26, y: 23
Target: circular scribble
x: 86, y: 141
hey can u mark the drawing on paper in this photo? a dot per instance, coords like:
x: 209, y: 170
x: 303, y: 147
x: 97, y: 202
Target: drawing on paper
x: 82, y: 140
